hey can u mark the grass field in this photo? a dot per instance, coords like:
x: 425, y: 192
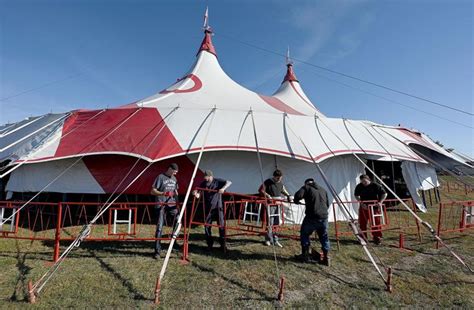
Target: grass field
x: 122, y: 275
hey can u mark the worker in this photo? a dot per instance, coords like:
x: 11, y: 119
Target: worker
x: 316, y: 219
x: 212, y: 189
x: 274, y: 190
x: 165, y: 188
x: 368, y: 192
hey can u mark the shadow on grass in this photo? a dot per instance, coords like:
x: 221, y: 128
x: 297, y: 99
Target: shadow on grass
x: 125, y: 282
x: 123, y: 248
x: 23, y: 271
x: 245, y: 287
x: 326, y: 273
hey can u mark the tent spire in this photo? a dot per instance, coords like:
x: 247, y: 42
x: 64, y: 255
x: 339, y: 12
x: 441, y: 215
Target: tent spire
x: 290, y: 75
x: 206, y: 44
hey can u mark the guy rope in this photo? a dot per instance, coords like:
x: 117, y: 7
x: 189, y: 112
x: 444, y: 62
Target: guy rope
x: 186, y: 198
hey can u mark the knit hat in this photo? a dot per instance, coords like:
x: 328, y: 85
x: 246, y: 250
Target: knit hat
x: 174, y: 166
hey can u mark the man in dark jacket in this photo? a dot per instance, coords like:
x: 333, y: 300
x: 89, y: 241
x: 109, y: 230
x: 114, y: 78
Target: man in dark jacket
x: 213, y: 203
x: 316, y: 218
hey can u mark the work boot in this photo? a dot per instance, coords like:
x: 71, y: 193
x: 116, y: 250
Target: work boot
x: 378, y: 241
x: 156, y: 255
x: 304, y: 256
x: 222, y: 247
x: 210, y: 243
x: 315, y: 255
x: 325, y: 260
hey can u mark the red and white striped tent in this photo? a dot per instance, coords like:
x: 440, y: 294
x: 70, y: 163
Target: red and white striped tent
x: 90, y: 151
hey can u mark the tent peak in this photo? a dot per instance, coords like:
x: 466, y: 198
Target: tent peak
x: 290, y: 74
x: 206, y: 44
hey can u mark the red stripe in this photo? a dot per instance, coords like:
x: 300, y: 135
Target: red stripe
x: 237, y: 148
x: 134, y: 136
x: 297, y: 92
x: 109, y: 170
x: 197, y: 86
x: 279, y: 105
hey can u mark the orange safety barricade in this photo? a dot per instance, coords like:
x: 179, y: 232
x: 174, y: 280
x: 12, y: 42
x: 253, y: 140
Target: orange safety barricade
x: 455, y: 216
x: 63, y: 221
x: 392, y: 217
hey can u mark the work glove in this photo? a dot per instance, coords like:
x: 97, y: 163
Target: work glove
x: 168, y: 194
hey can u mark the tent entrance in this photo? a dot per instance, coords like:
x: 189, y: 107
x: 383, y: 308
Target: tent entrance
x: 391, y: 173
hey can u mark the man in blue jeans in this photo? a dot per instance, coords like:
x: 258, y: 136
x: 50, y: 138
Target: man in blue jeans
x: 316, y: 219
x: 165, y: 188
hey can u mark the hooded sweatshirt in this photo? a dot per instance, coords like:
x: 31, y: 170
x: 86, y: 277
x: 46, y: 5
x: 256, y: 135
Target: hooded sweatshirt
x: 316, y: 200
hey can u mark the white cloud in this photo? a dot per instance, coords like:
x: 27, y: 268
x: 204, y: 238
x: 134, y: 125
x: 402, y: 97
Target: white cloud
x: 338, y: 23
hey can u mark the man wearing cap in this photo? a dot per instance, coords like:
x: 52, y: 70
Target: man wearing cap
x: 366, y: 191
x: 165, y: 188
x: 316, y: 219
x: 213, y: 190
x: 274, y: 188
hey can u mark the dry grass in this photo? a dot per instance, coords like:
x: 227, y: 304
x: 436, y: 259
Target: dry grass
x: 122, y: 275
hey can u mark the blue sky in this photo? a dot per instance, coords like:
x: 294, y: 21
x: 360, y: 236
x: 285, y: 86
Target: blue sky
x: 108, y: 53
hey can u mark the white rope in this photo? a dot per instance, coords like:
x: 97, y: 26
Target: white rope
x: 68, y: 168
x: 31, y: 155
x: 346, y: 212
x: 38, y: 286
x: 101, y: 212
x: 267, y: 208
x: 186, y: 198
x: 7, y: 127
x: 5, y: 131
x: 34, y: 132
x: 424, y: 223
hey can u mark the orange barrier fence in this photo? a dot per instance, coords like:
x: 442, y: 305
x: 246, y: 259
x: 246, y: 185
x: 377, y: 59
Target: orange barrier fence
x: 391, y: 216
x: 455, y: 216
x: 63, y: 221
x: 453, y: 187
x: 246, y: 215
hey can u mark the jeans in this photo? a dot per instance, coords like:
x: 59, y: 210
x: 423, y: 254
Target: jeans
x: 213, y: 213
x: 273, y: 221
x: 320, y: 226
x: 164, y: 212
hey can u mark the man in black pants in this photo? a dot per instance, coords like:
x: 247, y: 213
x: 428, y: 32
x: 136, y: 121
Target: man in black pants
x: 274, y: 188
x: 215, y: 187
x: 165, y: 188
x: 316, y: 219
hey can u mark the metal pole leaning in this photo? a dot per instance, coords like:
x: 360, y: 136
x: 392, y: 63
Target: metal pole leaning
x: 352, y: 223
x: 181, y: 213
x: 70, y: 166
x: 35, y: 289
x: 424, y: 223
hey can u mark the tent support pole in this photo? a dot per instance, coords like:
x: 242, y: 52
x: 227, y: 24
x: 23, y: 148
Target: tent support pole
x: 159, y: 279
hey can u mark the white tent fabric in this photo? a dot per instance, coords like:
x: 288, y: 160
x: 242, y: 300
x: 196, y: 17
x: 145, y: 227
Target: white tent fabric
x: 243, y: 170
x: 31, y: 178
x: 177, y: 116
x: 22, y: 139
x: 419, y: 176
